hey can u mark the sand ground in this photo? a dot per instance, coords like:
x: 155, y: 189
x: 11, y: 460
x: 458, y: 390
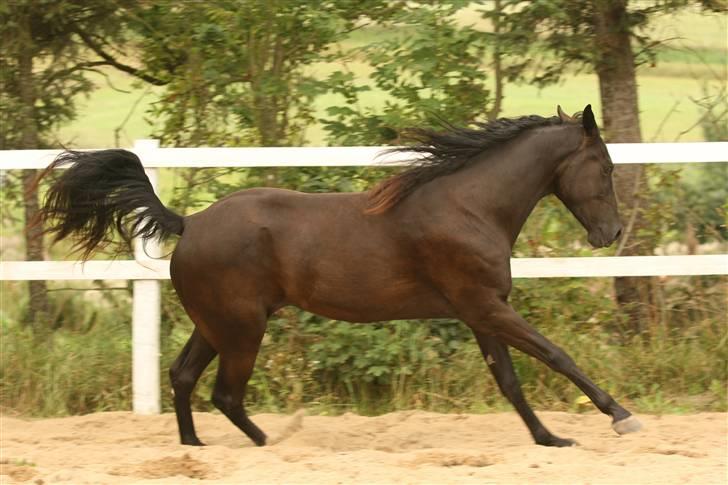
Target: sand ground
x: 403, y: 447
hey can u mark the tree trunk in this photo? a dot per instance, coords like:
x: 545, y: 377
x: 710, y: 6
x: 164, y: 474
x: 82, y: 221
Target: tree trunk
x: 615, y: 67
x: 37, y: 290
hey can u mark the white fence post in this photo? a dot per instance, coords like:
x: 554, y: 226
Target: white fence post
x: 146, y: 317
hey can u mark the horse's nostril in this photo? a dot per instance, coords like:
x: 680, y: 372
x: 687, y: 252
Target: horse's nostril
x: 619, y: 233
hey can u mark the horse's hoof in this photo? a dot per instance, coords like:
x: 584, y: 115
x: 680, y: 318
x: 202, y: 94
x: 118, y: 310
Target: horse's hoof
x: 259, y: 438
x: 627, y: 425
x: 192, y: 442
x: 562, y: 442
x: 544, y: 438
x: 557, y: 442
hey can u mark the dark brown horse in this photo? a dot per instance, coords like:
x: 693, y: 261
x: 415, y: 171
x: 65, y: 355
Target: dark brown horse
x: 433, y: 241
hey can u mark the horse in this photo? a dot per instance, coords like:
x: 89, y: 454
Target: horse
x: 432, y: 241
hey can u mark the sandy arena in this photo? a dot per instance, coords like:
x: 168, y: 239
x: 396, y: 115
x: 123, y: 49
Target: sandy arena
x: 402, y: 447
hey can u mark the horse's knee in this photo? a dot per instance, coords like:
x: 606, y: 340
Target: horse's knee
x: 224, y: 402
x: 183, y: 382
x: 220, y: 401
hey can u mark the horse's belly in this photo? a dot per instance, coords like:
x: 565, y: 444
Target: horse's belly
x: 362, y: 303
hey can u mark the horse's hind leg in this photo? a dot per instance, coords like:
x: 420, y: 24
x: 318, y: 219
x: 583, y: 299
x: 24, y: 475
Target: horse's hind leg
x: 237, y: 360
x: 499, y: 361
x: 184, y: 373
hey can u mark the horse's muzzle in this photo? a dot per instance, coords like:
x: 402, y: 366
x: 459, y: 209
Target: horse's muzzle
x: 601, y: 238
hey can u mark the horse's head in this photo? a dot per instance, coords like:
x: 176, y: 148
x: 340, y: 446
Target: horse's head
x: 584, y: 183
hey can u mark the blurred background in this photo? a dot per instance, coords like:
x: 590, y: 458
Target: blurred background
x: 102, y: 73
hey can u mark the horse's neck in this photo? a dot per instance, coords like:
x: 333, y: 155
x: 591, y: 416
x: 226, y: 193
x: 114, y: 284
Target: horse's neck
x: 508, y: 182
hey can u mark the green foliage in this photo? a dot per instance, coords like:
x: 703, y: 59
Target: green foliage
x: 548, y: 39
x: 235, y: 71
x: 706, y: 193
x: 82, y: 366
x: 226, y: 82
x: 43, y: 63
x: 714, y: 108
x: 430, y: 73
x: 688, y: 205
x: 330, y: 366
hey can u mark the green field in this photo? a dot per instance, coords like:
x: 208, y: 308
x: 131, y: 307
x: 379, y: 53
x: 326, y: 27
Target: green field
x: 696, y: 55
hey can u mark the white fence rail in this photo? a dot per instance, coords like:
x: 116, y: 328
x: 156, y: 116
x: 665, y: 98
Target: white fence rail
x: 150, y: 269
x: 147, y: 272
x: 154, y: 157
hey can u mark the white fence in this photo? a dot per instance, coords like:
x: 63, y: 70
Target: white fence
x: 147, y: 272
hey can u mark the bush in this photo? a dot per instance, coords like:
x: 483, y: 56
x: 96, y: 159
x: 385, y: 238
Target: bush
x: 330, y: 366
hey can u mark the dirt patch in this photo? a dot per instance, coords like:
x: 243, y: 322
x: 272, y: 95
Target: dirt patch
x: 405, y: 447
x: 440, y: 458
x: 168, y: 466
x: 16, y: 473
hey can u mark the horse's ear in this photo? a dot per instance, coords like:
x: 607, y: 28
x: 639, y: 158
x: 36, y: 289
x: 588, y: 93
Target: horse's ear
x: 588, y: 121
x: 564, y: 117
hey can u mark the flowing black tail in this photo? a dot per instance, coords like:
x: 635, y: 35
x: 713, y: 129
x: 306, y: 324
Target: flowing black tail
x: 103, y: 191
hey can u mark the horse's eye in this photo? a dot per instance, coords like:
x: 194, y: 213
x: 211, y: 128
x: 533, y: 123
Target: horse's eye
x: 607, y: 169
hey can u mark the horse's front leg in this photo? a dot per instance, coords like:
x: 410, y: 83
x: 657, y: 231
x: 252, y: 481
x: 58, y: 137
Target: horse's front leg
x: 498, y: 320
x: 499, y: 361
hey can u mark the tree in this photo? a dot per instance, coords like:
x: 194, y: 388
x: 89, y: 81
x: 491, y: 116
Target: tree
x: 607, y: 37
x: 49, y: 47
x: 40, y: 75
x: 238, y: 72
x: 429, y: 69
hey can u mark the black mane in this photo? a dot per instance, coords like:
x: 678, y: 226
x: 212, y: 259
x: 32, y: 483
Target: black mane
x: 446, y: 152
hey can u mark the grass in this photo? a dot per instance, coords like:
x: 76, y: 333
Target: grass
x: 82, y: 367
x: 332, y: 367
x: 118, y: 104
